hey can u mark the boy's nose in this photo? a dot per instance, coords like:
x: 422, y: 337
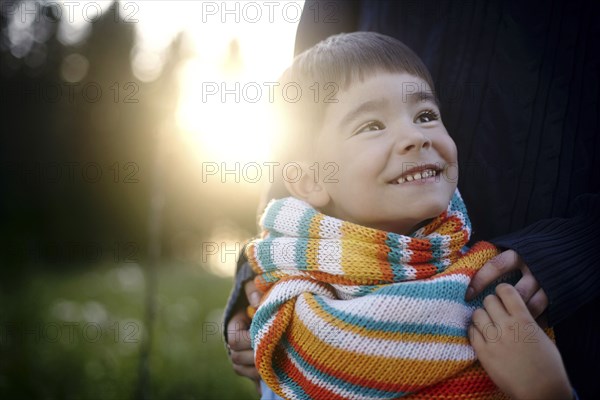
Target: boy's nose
x: 412, y: 139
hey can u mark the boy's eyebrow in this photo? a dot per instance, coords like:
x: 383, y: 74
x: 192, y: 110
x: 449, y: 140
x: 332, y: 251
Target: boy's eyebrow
x: 367, y: 106
x: 421, y: 96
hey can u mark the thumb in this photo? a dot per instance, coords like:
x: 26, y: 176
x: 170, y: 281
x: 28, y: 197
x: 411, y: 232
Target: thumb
x: 504, y: 263
x: 252, y: 293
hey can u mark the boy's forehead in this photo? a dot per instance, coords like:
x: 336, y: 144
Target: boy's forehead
x: 386, y: 83
x: 378, y: 91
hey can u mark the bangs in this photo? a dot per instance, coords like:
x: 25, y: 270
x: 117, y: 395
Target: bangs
x: 327, y: 68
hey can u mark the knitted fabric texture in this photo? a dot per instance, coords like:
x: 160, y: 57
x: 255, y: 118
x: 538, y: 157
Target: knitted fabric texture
x: 352, y: 312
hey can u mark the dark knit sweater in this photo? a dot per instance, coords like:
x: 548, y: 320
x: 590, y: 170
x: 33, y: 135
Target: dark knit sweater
x: 519, y: 86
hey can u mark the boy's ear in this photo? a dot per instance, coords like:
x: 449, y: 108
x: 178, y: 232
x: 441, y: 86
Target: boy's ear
x: 307, y: 187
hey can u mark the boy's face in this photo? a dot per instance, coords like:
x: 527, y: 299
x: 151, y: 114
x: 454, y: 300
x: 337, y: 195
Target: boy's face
x: 396, y: 164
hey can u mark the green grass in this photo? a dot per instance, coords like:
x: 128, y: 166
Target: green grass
x: 78, y: 335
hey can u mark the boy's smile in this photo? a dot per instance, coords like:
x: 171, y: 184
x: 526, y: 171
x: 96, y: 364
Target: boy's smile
x: 422, y: 174
x: 396, y: 162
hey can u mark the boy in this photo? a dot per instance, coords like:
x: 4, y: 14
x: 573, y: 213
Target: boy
x: 365, y: 273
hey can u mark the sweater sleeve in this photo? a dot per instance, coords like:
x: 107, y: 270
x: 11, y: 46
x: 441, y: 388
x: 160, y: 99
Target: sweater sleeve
x: 237, y: 300
x: 562, y: 253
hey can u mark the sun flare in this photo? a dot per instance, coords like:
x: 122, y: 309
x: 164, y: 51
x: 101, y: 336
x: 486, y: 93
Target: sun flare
x: 227, y: 86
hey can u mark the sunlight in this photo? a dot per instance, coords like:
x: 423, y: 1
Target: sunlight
x: 225, y: 87
x: 237, y: 50
x: 223, y: 126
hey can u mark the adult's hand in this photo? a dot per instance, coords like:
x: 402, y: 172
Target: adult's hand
x: 238, y: 338
x: 528, y: 287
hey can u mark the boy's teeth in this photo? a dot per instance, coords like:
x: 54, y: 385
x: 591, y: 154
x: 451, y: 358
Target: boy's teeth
x: 418, y: 175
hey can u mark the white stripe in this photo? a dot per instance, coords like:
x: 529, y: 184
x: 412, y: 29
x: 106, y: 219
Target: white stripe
x: 283, y: 252
x: 288, y: 219
x: 289, y: 393
x: 331, y: 228
x: 406, y: 256
x: 411, y: 272
x: 346, y: 292
x: 404, y: 309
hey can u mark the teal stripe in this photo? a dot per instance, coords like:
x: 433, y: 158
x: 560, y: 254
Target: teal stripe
x: 394, y: 257
x: 457, y: 204
x: 271, y: 215
x: 263, y: 254
x: 437, y: 253
x: 427, y: 290
x: 303, y: 232
x: 263, y: 248
x: 365, y: 322
x: 304, y: 223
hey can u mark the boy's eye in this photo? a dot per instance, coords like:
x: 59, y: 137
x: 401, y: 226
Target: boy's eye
x: 428, y: 116
x: 371, y: 126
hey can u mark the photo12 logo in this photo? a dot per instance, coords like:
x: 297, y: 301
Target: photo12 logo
x: 71, y: 11
x: 254, y: 172
x: 70, y: 332
x: 253, y: 92
x: 250, y: 11
x: 73, y: 92
x: 70, y: 172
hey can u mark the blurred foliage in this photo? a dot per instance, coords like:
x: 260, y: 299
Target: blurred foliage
x: 77, y: 336
x: 73, y: 252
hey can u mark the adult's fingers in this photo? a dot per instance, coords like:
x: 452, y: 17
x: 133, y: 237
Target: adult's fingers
x: 527, y: 286
x: 252, y: 293
x: 246, y: 371
x: 538, y: 303
x: 238, y: 336
x: 244, y: 357
x: 505, y: 262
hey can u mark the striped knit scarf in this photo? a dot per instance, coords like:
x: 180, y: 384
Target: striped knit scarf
x: 352, y: 312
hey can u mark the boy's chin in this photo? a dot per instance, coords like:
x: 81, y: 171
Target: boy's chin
x: 434, y: 209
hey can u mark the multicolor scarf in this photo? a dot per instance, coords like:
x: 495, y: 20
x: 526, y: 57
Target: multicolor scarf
x: 352, y: 312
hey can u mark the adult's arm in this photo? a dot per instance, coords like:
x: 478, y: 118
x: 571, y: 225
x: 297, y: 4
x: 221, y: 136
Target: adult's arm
x: 238, y: 300
x: 562, y: 255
